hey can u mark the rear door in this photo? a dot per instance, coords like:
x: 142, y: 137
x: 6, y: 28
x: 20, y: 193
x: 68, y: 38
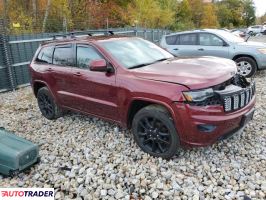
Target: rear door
x: 61, y: 72
x: 95, y: 92
x: 44, y: 65
x: 185, y: 45
x: 212, y: 45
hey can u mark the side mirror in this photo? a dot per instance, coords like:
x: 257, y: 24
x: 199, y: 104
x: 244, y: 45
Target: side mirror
x: 225, y: 44
x: 98, y: 65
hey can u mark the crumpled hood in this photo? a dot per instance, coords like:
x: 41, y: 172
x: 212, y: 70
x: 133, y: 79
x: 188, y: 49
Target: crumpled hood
x: 195, y: 73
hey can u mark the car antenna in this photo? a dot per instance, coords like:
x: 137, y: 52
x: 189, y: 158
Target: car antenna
x: 247, y: 38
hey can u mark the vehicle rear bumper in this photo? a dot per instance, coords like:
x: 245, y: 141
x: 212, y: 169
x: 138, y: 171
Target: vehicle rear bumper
x: 190, y: 119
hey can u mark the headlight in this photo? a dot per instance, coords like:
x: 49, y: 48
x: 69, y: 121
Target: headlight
x: 199, y: 95
x: 263, y: 51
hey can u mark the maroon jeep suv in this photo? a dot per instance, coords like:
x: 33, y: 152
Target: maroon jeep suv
x: 168, y: 102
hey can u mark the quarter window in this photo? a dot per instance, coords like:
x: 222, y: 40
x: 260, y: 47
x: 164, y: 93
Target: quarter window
x: 45, y: 55
x: 85, y: 54
x: 63, y: 55
x: 206, y: 39
x: 188, y: 39
x: 171, y: 40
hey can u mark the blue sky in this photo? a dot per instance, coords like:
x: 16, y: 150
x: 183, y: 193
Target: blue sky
x: 260, y: 7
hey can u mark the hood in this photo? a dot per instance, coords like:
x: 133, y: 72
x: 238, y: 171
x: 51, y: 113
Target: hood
x: 194, y: 73
x: 253, y: 44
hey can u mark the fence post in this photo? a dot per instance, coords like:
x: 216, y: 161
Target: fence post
x: 145, y: 34
x: 152, y: 32
x: 6, y: 52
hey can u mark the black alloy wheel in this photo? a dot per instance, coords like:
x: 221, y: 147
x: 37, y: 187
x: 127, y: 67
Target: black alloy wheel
x: 154, y: 135
x: 155, y: 132
x: 46, y: 104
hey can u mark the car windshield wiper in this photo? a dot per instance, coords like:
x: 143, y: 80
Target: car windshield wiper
x: 140, y: 65
x: 163, y: 59
x: 145, y: 64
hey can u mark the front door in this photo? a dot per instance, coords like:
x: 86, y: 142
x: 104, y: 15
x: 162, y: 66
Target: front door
x: 95, y: 92
x: 212, y: 45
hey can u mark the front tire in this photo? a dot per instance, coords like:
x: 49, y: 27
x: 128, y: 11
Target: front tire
x: 246, y: 66
x: 47, y: 105
x: 251, y: 33
x: 155, y: 133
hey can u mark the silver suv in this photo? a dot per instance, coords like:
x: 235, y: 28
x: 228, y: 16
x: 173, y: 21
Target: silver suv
x: 249, y: 56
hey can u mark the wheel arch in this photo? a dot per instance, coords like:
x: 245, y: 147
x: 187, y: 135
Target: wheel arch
x: 139, y: 103
x: 245, y: 55
x: 38, y: 84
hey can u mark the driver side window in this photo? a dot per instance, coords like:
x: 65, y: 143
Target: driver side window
x: 86, y: 54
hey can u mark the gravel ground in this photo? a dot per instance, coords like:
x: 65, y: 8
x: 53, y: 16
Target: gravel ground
x: 87, y: 158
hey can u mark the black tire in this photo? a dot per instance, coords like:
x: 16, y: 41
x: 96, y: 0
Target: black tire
x: 250, y: 62
x: 47, y: 105
x: 155, y: 133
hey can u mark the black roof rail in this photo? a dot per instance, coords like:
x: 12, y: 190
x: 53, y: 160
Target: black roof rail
x: 89, y: 33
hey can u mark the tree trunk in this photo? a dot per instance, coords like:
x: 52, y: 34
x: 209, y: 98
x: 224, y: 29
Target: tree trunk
x: 34, y: 9
x: 46, y: 15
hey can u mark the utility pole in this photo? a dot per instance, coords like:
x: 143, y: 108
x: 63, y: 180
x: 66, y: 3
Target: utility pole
x: 107, y: 25
x: 5, y: 9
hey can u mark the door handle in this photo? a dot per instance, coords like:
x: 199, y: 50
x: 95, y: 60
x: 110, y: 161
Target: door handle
x: 176, y: 49
x: 77, y: 74
x: 201, y: 49
x: 50, y: 69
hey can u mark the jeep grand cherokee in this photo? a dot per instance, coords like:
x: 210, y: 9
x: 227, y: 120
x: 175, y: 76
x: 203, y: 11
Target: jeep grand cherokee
x: 168, y: 102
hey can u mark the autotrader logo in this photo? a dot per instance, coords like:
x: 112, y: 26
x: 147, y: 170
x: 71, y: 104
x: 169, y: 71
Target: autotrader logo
x: 26, y: 193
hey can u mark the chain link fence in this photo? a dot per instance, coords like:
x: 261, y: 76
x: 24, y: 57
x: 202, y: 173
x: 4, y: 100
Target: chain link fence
x: 16, y: 51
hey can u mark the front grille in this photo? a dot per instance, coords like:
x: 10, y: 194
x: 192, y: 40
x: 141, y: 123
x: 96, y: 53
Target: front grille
x: 232, y: 94
x: 27, y: 158
x: 236, y: 101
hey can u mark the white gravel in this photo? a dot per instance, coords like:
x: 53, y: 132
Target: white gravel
x: 88, y: 158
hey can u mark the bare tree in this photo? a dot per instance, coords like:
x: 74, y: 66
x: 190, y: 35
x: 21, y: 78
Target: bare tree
x: 46, y: 15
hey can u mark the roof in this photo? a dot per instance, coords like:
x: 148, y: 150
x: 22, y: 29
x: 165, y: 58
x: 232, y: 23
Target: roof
x: 197, y: 31
x: 85, y: 38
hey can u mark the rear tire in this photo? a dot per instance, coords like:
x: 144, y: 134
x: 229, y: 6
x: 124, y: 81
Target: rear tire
x: 155, y: 133
x: 47, y: 105
x: 246, y: 66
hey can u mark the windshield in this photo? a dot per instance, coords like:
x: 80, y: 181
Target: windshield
x: 135, y: 52
x: 230, y: 37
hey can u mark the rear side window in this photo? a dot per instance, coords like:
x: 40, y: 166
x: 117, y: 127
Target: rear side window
x: 85, y: 54
x: 63, y: 55
x: 188, y: 39
x: 45, y: 55
x: 172, y: 40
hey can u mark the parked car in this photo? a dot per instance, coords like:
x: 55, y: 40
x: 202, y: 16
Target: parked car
x: 239, y: 33
x: 168, y: 102
x: 252, y: 30
x: 249, y: 56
